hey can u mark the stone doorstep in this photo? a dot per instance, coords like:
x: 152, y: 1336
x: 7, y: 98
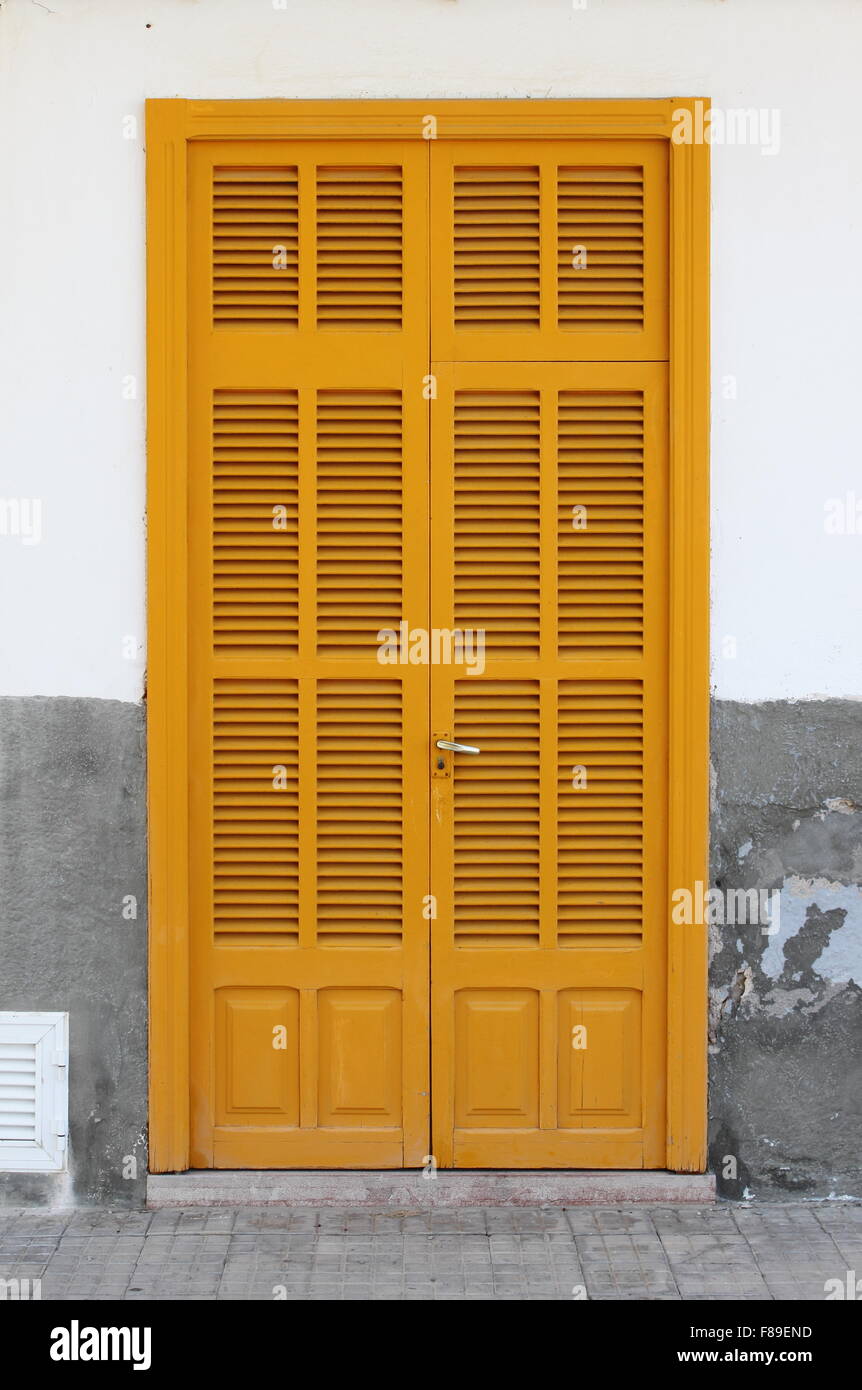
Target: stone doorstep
x: 410, y: 1191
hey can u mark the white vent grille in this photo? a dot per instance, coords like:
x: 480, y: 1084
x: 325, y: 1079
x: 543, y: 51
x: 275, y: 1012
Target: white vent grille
x: 33, y: 1092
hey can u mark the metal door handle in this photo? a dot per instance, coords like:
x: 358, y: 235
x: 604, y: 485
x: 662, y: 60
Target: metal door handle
x: 457, y: 747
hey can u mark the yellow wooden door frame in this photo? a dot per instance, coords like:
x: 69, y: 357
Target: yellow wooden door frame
x: 171, y: 125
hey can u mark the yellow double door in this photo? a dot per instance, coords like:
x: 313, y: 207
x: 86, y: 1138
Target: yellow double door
x: 428, y: 505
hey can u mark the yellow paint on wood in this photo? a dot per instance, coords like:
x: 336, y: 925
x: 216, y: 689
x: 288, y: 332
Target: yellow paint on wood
x: 453, y: 384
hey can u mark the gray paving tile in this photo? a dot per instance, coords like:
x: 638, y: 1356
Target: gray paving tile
x: 756, y: 1252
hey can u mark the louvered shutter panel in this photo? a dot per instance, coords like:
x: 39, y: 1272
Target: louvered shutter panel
x: 600, y: 831
x: 600, y: 535
x: 496, y: 231
x: 360, y: 267
x: 255, y: 237
x: 360, y: 519
x: 255, y: 538
x: 255, y: 835
x: 600, y: 248
x: 309, y: 465
x: 497, y: 829
x: 547, y: 848
x: 549, y: 251
x: 495, y: 520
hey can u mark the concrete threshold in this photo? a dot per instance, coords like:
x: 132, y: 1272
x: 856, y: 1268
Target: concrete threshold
x: 410, y: 1189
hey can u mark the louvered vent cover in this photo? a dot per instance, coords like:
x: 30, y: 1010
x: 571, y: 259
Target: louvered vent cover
x: 359, y: 520
x: 601, y: 551
x: 255, y: 531
x: 496, y: 229
x: 255, y: 247
x: 497, y: 462
x: 600, y: 218
x: 600, y: 833
x: 255, y: 810
x: 33, y: 1091
x: 359, y: 247
x: 19, y: 1120
x: 359, y: 812
x: 497, y: 813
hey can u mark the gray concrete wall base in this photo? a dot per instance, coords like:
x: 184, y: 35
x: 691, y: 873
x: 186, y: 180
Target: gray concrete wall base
x: 785, y: 1005
x: 73, y: 927
x: 786, y: 995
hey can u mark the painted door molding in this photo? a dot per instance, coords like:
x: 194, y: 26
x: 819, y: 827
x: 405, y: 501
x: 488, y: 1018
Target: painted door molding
x: 172, y: 127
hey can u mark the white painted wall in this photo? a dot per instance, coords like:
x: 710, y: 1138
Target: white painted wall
x: 787, y: 297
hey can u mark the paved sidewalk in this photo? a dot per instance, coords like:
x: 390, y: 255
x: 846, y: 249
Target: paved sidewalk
x: 751, y: 1252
